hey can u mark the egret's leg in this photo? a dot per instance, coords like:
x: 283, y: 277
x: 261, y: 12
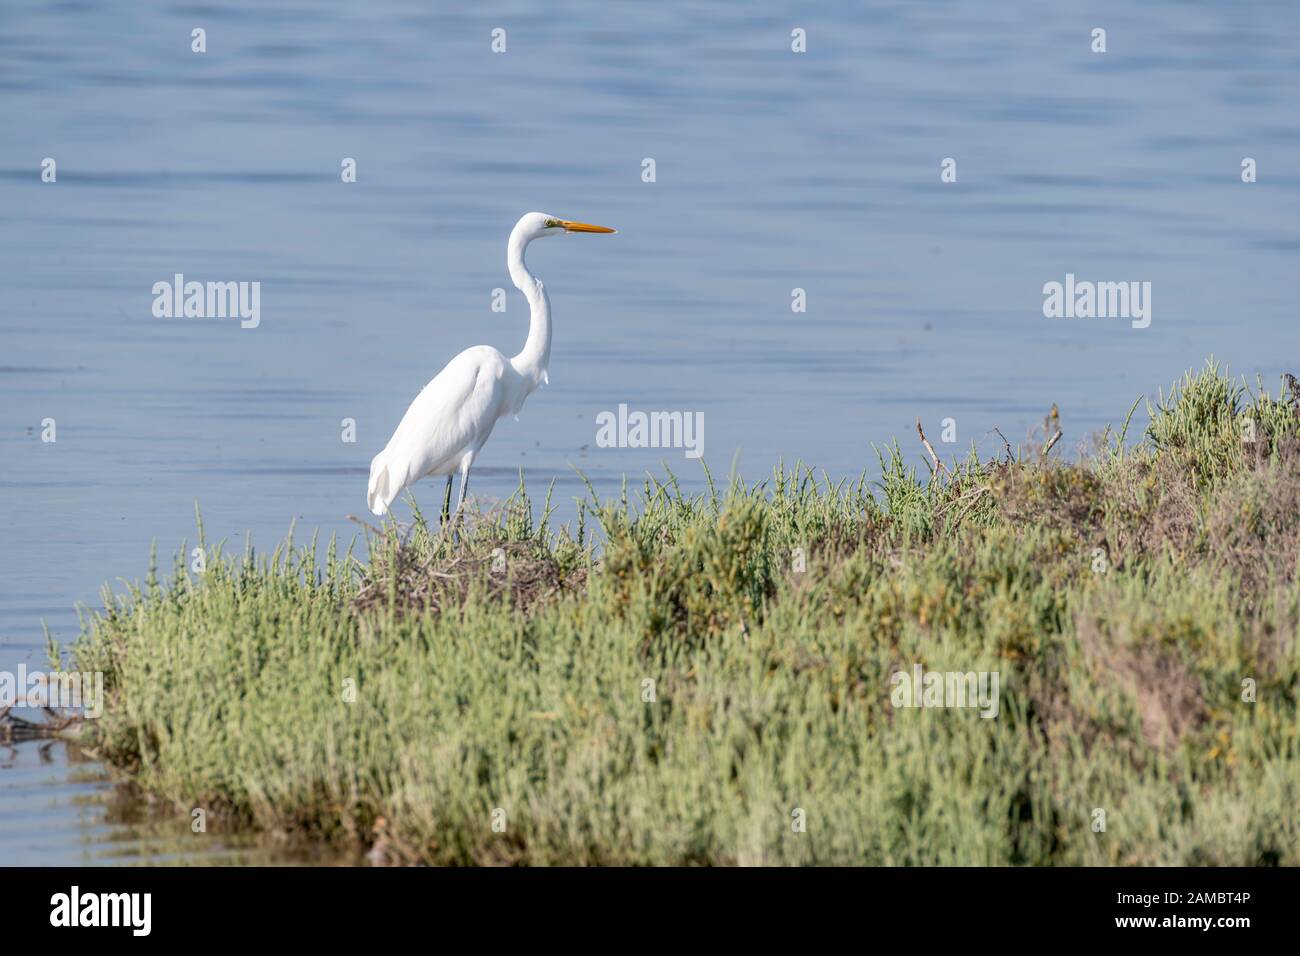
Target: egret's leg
x: 464, y: 486
x: 446, y: 501
x: 460, y: 500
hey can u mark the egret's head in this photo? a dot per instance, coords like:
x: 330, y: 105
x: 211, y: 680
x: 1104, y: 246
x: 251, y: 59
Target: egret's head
x: 536, y: 224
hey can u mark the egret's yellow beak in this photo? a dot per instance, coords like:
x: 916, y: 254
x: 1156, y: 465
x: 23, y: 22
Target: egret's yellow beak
x: 584, y: 227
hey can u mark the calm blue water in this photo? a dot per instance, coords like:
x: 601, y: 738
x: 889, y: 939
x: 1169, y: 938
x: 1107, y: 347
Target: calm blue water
x: 774, y: 170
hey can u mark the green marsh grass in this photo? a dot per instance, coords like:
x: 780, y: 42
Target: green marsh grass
x: 397, y: 701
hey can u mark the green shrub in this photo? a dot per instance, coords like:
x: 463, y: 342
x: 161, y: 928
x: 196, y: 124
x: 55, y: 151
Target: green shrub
x: 1128, y: 602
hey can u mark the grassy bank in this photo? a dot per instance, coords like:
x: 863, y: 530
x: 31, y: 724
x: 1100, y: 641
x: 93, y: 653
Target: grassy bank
x: 412, y: 700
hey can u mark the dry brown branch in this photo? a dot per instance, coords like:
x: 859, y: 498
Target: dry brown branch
x: 1052, y: 426
x: 1010, y: 456
x: 366, y: 524
x: 980, y: 492
x: 962, y: 498
x: 938, y: 465
x: 14, y: 728
x: 445, y: 578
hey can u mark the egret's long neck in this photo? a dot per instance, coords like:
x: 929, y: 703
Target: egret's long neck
x: 536, y: 355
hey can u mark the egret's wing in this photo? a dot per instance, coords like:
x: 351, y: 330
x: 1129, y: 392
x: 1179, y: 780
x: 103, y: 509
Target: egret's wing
x: 451, y: 415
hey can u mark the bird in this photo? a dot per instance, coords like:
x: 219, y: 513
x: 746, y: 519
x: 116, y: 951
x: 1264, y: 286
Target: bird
x: 450, y: 420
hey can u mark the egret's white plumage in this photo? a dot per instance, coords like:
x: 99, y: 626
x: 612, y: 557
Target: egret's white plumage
x: 453, y: 415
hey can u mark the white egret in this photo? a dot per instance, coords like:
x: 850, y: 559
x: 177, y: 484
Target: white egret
x: 453, y: 415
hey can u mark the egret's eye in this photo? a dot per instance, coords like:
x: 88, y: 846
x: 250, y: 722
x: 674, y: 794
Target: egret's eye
x: 552, y: 224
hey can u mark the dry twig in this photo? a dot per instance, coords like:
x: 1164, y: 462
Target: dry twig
x: 14, y: 728
x: 938, y: 465
x: 1010, y: 456
x: 366, y: 524
x: 1052, y: 425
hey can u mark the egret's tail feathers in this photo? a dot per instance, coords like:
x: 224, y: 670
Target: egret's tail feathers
x: 382, y: 488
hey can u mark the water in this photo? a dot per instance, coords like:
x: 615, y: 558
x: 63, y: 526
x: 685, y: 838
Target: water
x: 774, y: 170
